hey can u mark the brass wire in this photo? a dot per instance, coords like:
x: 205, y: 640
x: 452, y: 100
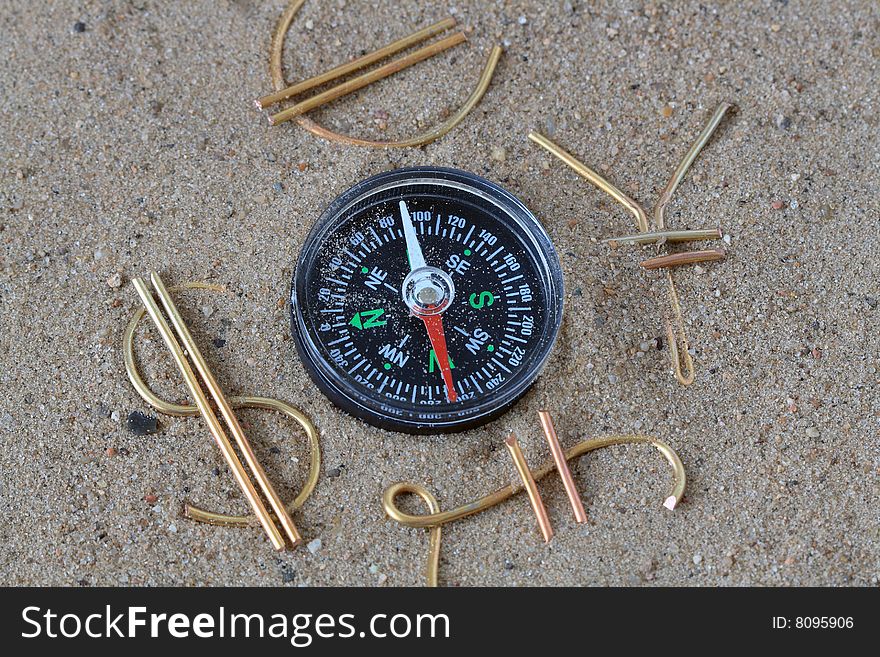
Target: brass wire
x: 667, y: 236
x: 366, y: 79
x: 356, y: 64
x: 437, y: 518
x: 237, y: 402
x: 276, y: 49
x: 679, y: 348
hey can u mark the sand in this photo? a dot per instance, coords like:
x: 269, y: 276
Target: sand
x: 129, y: 143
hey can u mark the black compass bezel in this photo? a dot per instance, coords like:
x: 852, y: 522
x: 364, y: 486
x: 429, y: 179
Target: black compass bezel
x: 346, y: 396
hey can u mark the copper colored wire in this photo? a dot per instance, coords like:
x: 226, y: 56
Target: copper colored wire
x: 562, y: 466
x: 531, y: 489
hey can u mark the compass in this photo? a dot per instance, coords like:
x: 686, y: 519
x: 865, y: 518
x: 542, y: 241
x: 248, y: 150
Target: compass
x: 426, y: 300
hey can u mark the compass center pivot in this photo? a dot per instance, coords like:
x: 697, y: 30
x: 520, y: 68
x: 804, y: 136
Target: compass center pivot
x: 428, y: 291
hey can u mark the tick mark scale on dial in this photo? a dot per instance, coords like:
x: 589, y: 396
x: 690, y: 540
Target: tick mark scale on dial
x: 501, y: 365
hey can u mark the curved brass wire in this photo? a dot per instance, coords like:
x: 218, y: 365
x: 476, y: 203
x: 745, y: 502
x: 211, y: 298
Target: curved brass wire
x: 437, y: 518
x: 433, y: 506
x: 276, y: 50
x: 187, y: 410
x: 682, y: 361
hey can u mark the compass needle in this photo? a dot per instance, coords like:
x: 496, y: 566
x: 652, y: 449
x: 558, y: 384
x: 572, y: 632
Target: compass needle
x: 489, y: 298
x: 413, y: 249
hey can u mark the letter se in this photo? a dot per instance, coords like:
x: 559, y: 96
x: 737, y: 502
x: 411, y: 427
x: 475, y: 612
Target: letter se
x: 455, y: 263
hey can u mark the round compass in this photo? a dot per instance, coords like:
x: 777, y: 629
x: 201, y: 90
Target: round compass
x: 426, y: 300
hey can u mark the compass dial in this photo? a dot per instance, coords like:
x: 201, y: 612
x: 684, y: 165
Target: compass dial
x: 426, y: 300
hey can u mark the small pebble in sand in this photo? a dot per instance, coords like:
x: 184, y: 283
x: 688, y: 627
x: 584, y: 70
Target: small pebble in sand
x: 141, y: 425
x: 115, y: 281
x: 79, y: 27
x: 499, y: 153
x: 314, y: 545
x: 207, y: 311
x: 382, y: 578
x: 777, y: 205
x: 374, y: 569
x: 112, y: 451
x: 151, y: 499
x: 310, y: 24
x: 813, y: 432
x: 172, y: 529
x: 698, y: 559
x: 666, y: 111
x: 523, y: 20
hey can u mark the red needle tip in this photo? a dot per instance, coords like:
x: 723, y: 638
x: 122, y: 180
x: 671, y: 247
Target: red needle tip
x: 434, y: 326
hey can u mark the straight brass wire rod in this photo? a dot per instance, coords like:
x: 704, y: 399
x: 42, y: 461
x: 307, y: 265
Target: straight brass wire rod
x: 686, y: 258
x: 562, y: 466
x: 597, y: 179
x: 367, y: 78
x: 207, y: 412
x: 670, y: 236
x: 529, y: 483
x: 226, y: 410
x: 356, y: 64
x: 687, y: 160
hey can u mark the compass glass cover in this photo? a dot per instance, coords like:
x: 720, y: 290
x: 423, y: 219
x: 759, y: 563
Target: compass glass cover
x: 409, y: 264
